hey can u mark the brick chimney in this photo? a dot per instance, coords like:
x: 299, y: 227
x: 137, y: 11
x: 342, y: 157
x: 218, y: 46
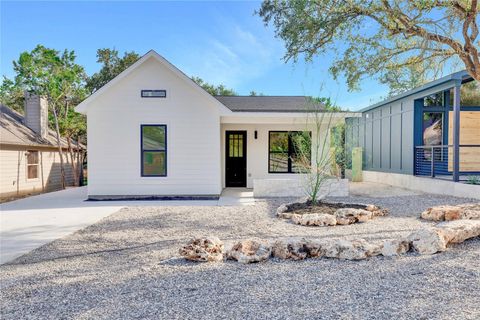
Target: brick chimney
x: 36, y: 114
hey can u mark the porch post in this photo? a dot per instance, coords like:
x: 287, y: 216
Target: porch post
x: 456, y: 131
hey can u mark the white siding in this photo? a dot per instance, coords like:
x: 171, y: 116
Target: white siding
x: 193, y: 136
x: 13, y: 168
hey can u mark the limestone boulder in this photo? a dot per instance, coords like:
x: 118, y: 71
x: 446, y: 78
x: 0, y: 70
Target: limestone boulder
x: 448, y: 212
x: 459, y: 230
x: 351, y: 215
x: 395, y: 247
x: 316, y: 248
x: 471, y: 211
x: 250, y: 251
x: 282, y: 212
x: 429, y: 240
x: 293, y: 249
x: 438, y: 213
x: 314, y: 219
x: 376, y: 211
x: 208, y: 249
x: 358, y: 249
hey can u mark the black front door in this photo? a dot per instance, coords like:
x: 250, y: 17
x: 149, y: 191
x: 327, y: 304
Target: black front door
x: 236, y: 159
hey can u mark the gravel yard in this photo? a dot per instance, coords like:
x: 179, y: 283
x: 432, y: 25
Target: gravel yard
x: 127, y: 267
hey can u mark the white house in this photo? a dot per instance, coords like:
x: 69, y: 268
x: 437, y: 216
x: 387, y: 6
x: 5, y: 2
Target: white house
x: 154, y: 133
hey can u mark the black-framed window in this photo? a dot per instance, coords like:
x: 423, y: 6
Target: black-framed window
x: 289, y: 151
x: 154, y: 150
x: 154, y: 93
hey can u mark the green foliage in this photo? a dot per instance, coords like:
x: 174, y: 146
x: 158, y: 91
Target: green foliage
x: 112, y: 65
x: 378, y: 37
x: 337, y: 143
x: 214, y: 90
x: 470, y: 94
x: 327, y: 102
x: 57, y: 77
x: 253, y: 93
x: 473, y: 180
x: 11, y: 95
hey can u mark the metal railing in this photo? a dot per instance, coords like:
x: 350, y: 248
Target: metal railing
x: 437, y: 161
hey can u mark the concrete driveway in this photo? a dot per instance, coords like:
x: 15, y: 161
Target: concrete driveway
x: 29, y: 223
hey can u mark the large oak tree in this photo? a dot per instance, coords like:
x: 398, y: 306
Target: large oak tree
x: 378, y: 37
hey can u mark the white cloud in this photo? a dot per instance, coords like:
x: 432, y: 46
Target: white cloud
x: 235, y: 57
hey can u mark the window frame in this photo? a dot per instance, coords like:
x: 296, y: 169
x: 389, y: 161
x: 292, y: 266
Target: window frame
x: 34, y: 164
x: 142, y: 92
x: 142, y: 151
x: 290, y: 152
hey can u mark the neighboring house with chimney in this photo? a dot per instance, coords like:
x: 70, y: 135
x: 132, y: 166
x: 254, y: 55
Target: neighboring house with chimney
x: 29, y: 156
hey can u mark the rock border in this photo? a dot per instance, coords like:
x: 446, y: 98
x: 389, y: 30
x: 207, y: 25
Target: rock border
x: 425, y: 241
x: 347, y: 213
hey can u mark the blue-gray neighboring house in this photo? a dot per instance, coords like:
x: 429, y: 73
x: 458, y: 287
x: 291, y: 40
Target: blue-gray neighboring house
x: 433, y: 130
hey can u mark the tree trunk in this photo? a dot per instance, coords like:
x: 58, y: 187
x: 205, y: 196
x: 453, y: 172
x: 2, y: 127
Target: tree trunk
x: 60, y: 151
x: 80, y: 157
x: 72, y: 159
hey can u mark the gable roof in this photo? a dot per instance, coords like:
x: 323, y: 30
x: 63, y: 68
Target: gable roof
x: 13, y: 131
x: 269, y: 103
x: 82, y: 107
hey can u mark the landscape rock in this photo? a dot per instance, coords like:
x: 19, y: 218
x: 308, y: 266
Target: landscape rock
x: 448, y: 212
x: 429, y: 240
x: 471, y: 210
x: 208, y: 249
x: 438, y: 213
x: 285, y: 211
x: 351, y: 249
x: 314, y: 219
x: 293, y: 249
x: 395, y: 247
x: 250, y: 251
x: 351, y: 215
x: 316, y: 248
x: 460, y: 230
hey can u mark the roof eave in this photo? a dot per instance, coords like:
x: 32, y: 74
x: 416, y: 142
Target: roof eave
x: 457, y: 76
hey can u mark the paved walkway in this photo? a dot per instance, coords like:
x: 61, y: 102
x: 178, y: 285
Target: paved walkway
x: 31, y: 222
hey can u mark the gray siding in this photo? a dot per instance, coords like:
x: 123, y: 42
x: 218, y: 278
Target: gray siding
x: 386, y: 134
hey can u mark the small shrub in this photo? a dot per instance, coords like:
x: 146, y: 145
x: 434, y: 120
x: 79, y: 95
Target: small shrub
x: 473, y: 180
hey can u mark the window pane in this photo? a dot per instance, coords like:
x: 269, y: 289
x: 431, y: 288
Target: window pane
x: 432, y: 128
x: 300, y: 164
x: 469, y: 94
x: 434, y: 100
x: 279, y: 141
x: 278, y: 162
x: 32, y: 171
x: 32, y: 157
x: 301, y: 143
x: 153, y: 137
x: 154, y: 163
x: 240, y: 146
x: 230, y: 146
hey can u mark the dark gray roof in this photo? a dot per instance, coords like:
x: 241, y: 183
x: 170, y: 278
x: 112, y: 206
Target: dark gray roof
x: 14, y: 132
x: 268, y: 103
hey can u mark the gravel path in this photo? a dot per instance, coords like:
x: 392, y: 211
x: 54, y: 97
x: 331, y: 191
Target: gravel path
x: 127, y: 267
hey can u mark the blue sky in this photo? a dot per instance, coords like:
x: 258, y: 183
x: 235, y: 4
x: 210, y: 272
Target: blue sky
x: 221, y: 42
